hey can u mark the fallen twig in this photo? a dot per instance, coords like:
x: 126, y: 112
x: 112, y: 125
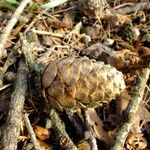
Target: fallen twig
x: 59, y: 130
x: 10, y: 25
x: 89, y: 133
x: 131, y: 110
x: 11, y: 131
x: 76, y: 121
x: 31, y: 132
x: 133, y: 8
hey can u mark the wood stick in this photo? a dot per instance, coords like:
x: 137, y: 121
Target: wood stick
x: 89, y: 133
x: 131, y: 110
x: 31, y: 132
x: 11, y: 131
x: 77, y: 122
x: 59, y: 130
x: 133, y: 8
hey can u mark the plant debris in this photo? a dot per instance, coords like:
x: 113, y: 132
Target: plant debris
x: 74, y: 56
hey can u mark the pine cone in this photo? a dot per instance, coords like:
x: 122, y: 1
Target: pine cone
x: 76, y: 82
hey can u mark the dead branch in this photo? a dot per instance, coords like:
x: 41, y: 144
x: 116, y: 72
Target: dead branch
x: 10, y: 25
x: 133, y: 8
x: 89, y: 133
x: 11, y: 131
x: 131, y: 110
x: 76, y: 121
x: 59, y: 130
x: 31, y: 132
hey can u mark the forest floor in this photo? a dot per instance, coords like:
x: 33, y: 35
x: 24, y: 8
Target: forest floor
x: 33, y: 33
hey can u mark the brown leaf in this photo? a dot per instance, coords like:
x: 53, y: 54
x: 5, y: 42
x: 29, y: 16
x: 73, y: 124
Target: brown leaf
x: 117, y: 20
x: 124, y: 58
x: 97, y: 126
x: 122, y: 102
x: 66, y: 22
x: 41, y: 132
x: 44, y: 145
x: 83, y: 145
x: 136, y: 142
x: 144, y: 52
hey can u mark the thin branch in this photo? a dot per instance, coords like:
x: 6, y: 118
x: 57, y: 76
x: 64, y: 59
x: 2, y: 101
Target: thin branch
x: 133, y: 8
x: 31, y: 132
x: 89, y: 133
x: 10, y: 25
x: 59, y: 130
x: 11, y: 131
x: 131, y: 110
x: 76, y: 121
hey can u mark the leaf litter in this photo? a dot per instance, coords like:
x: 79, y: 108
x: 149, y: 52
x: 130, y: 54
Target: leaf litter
x: 72, y: 29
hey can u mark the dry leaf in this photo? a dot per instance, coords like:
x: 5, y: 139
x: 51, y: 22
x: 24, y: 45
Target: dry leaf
x: 122, y: 102
x: 144, y: 52
x: 83, y: 145
x: 118, y: 19
x: 125, y: 58
x: 136, y: 142
x: 41, y: 133
x: 93, y: 8
x: 66, y: 22
x: 45, y: 146
x: 97, y: 126
x: 141, y: 117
